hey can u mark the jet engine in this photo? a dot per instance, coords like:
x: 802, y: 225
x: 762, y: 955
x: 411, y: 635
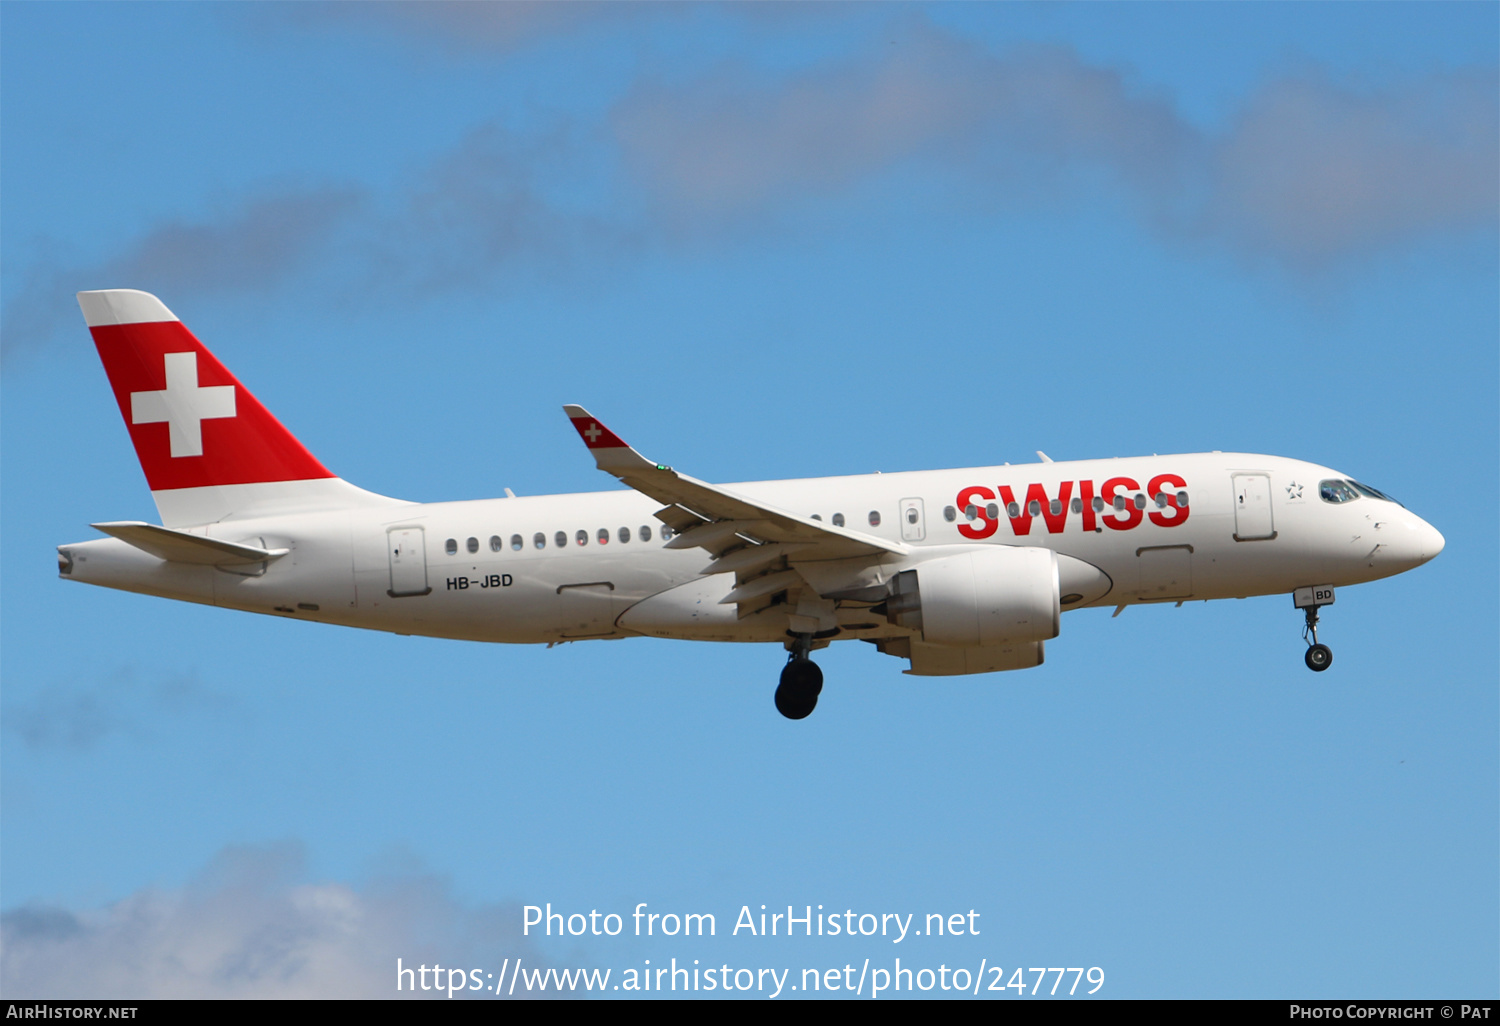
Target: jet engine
x: 1001, y: 595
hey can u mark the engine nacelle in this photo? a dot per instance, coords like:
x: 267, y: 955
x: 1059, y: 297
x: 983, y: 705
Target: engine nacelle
x: 1001, y: 595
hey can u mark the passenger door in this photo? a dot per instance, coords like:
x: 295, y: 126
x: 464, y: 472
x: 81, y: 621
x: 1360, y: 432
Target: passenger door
x: 408, y: 550
x: 1252, y: 507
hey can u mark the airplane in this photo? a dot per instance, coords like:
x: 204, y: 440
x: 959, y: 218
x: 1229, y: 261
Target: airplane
x: 956, y: 571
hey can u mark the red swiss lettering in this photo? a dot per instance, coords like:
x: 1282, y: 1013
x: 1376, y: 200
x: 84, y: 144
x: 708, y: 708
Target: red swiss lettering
x: 1172, y: 514
x: 1086, y: 496
x: 983, y: 526
x: 1127, y: 518
x: 1021, y: 522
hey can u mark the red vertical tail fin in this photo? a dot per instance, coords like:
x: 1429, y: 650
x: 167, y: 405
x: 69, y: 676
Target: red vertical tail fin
x: 209, y: 449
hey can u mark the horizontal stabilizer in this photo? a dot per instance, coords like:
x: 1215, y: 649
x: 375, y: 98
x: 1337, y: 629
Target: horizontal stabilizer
x: 182, y: 547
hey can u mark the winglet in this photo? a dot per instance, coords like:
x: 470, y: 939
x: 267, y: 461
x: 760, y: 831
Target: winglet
x: 594, y: 434
x: 610, y: 451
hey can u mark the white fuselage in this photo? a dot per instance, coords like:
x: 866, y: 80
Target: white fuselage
x: 1252, y: 525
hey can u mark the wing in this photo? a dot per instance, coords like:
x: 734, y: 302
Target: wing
x: 759, y: 543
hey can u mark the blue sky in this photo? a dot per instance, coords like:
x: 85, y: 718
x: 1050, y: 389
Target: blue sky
x: 761, y: 242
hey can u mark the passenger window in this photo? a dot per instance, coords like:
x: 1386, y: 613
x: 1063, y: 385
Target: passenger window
x: 992, y: 511
x: 1098, y: 504
x: 603, y: 536
x: 950, y: 514
x: 666, y: 533
x: 1161, y: 501
x: 645, y: 533
x: 561, y: 538
x: 624, y: 535
x: 838, y: 520
x: 1182, y: 500
x: 817, y: 516
x: 540, y: 541
x: 452, y: 547
x: 911, y: 516
x: 1077, y: 505
x: 1034, y: 508
x: 1011, y: 510
x: 1119, y: 502
x: 971, y: 511
x: 874, y: 518
x: 496, y: 544
x: 516, y: 542
x: 473, y: 545
x: 1140, y: 500
x: 583, y: 537
x: 1056, y: 506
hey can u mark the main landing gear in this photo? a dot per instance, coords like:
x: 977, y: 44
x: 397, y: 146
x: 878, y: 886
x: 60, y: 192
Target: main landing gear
x: 1319, y: 656
x: 801, y: 681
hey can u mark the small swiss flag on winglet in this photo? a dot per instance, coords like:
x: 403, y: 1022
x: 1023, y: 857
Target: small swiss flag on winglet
x: 594, y: 434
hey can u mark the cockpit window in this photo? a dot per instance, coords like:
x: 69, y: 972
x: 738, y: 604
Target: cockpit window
x: 1373, y: 493
x: 1348, y: 490
x: 1336, y: 491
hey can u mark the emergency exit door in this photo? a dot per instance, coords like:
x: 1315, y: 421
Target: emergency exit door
x: 408, y: 551
x: 1252, y: 507
x: 913, y: 522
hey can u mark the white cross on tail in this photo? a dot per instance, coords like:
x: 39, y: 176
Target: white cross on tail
x: 593, y: 433
x: 182, y: 404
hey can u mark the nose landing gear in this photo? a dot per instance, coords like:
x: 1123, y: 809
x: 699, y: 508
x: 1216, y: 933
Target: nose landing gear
x: 801, y: 682
x: 1319, y: 656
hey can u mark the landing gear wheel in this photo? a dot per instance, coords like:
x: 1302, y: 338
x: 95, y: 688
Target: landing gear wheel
x: 797, y: 694
x: 1319, y: 658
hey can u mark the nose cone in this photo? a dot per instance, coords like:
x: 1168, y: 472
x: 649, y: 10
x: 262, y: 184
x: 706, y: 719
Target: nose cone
x: 1409, y: 542
x: 1431, y: 540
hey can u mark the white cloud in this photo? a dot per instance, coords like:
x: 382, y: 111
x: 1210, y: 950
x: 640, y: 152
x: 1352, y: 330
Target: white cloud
x: 1313, y: 170
x: 499, y: 28
x: 80, y: 715
x: 251, y: 246
x: 249, y: 929
x: 1310, y: 171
